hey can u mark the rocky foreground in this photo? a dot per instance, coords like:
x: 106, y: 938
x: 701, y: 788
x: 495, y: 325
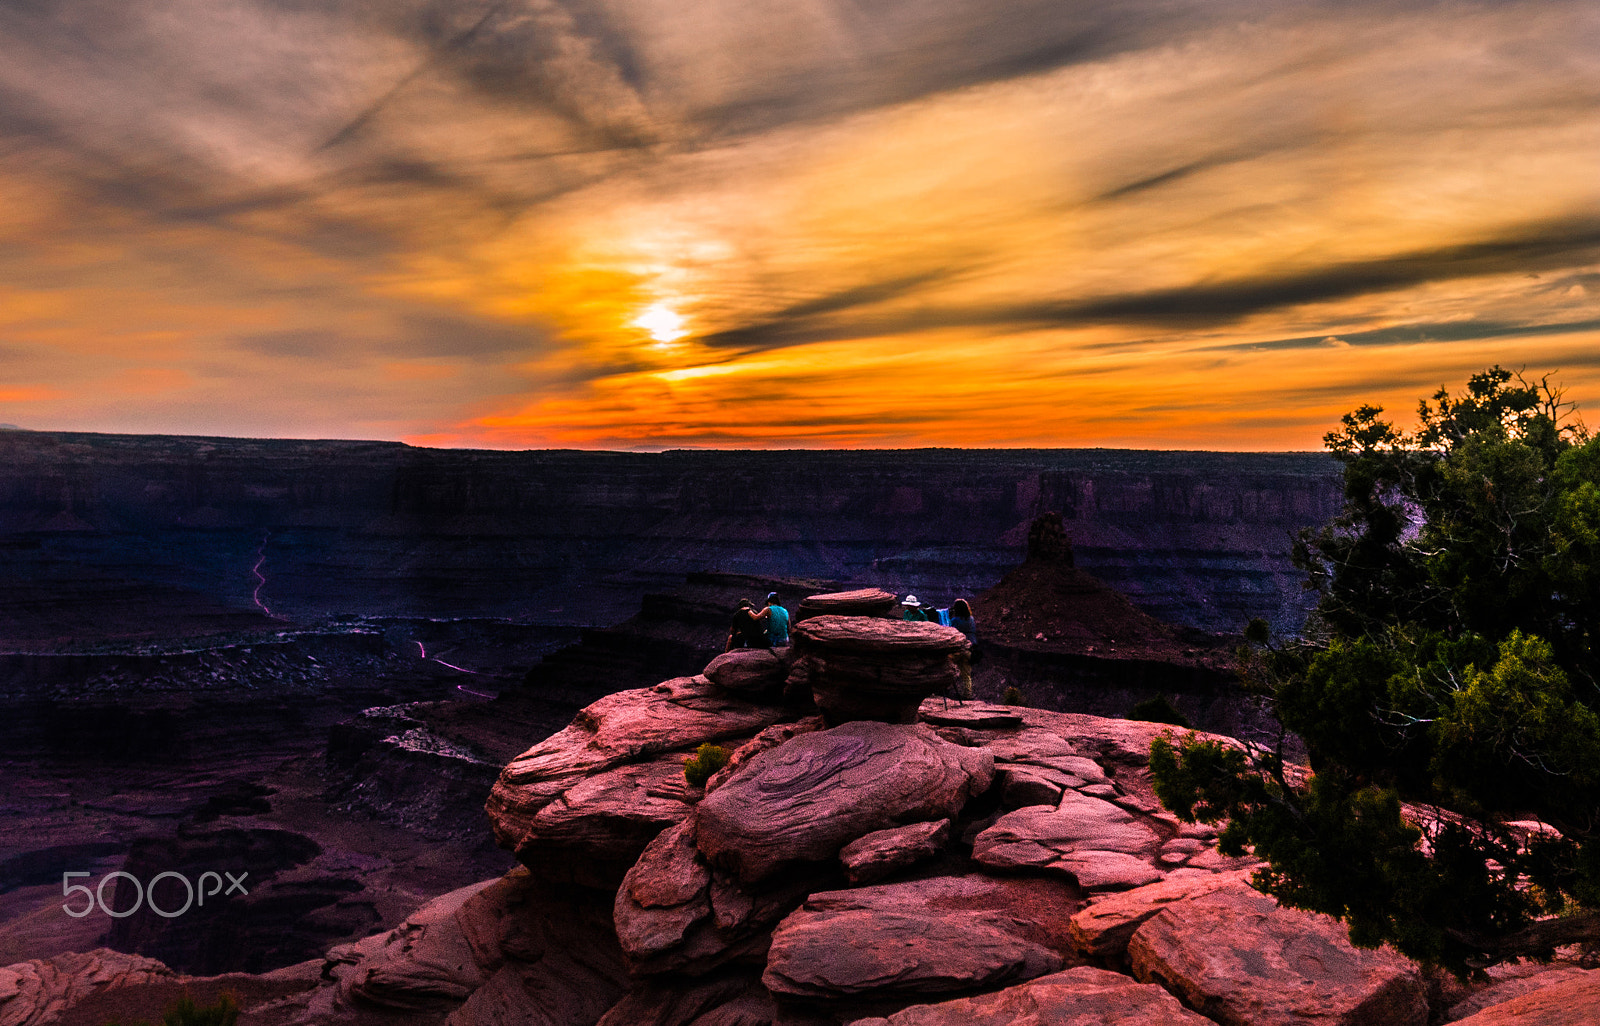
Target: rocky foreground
x: 885, y: 859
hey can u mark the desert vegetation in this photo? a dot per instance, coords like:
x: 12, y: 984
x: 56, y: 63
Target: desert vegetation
x: 1447, y: 689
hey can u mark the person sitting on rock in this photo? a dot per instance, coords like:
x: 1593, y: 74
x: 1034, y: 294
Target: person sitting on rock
x: 912, y: 609
x: 961, y: 619
x: 747, y: 632
x: 777, y: 621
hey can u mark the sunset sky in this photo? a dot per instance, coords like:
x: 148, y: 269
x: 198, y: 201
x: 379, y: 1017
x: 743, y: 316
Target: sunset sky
x: 779, y: 223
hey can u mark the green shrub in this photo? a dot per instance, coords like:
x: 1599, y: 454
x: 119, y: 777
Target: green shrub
x: 1014, y: 696
x: 706, y: 760
x: 184, y: 1012
x: 1158, y: 710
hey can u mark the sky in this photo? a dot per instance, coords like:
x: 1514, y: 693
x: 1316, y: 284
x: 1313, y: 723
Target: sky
x: 1191, y: 224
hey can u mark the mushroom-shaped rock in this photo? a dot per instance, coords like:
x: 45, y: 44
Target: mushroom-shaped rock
x: 1102, y: 846
x: 1242, y: 960
x: 898, y: 940
x: 860, y: 668
x: 1078, y: 997
x: 805, y: 800
x: 863, y: 602
x: 628, y: 726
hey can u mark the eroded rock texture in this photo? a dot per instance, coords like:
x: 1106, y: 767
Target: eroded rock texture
x: 1244, y: 961
x: 1077, y: 997
x: 805, y: 800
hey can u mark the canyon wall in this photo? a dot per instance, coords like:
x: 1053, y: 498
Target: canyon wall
x: 103, y: 534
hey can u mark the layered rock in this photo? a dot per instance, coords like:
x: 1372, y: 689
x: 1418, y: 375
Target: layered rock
x: 860, y: 602
x: 864, y: 668
x: 38, y: 992
x: 805, y: 800
x: 903, y: 940
x: 588, y: 799
x: 1101, y: 846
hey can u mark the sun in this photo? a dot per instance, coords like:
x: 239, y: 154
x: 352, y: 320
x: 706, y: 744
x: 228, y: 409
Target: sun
x: 663, y: 324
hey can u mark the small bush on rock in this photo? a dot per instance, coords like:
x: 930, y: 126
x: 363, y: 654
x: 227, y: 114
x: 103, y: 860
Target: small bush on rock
x: 1158, y: 710
x: 706, y: 760
x: 1014, y: 696
x: 184, y: 1012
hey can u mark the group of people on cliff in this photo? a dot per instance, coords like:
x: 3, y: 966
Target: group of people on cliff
x: 769, y: 627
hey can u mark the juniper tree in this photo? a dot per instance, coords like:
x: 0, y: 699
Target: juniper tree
x: 1447, y: 690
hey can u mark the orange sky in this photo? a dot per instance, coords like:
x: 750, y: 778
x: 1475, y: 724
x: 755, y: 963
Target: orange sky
x: 619, y: 223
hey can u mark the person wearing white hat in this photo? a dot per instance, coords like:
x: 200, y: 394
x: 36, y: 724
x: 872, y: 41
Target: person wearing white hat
x: 913, y: 609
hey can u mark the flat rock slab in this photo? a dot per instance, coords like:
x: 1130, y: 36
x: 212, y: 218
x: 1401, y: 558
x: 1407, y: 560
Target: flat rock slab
x: 1242, y: 960
x: 1574, y: 1001
x: 628, y: 726
x: 920, y: 937
x: 1506, y: 990
x: 1100, y: 845
x: 1078, y: 997
x: 805, y: 800
x: 970, y: 714
x: 861, y: 602
x: 1103, y: 929
x: 874, y: 856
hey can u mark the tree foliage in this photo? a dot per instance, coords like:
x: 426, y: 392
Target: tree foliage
x: 1447, y: 690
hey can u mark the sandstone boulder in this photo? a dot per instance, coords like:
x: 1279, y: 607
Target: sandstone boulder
x: 1100, y: 845
x: 737, y: 1000
x: 862, y: 602
x: 1574, y: 1001
x: 596, y: 829
x: 771, y: 737
x: 805, y: 800
x: 1103, y: 929
x: 1523, y: 978
x: 1242, y: 960
x: 676, y: 715
x: 37, y: 992
x: 674, y: 915
x: 863, y: 668
x: 1078, y: 997
x: 921, y: 937
x: 873, y: 856
x: 753, y: 672
x: 426, y: 963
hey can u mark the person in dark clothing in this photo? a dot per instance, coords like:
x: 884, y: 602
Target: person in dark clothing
x: 961, y: 619
x: 747, y: 632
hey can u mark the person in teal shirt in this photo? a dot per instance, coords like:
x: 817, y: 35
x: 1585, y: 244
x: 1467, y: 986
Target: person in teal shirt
x: 777, y: 619
x: 913, y: 609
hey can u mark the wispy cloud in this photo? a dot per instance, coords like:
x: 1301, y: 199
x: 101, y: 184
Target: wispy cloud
x: 1025, y: 222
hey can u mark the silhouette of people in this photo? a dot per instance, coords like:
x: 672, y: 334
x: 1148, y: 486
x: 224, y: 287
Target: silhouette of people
x: 776, y: 621
x: 747, y: 631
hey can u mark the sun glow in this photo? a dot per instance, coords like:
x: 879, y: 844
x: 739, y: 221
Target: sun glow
x: 663, y: 324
